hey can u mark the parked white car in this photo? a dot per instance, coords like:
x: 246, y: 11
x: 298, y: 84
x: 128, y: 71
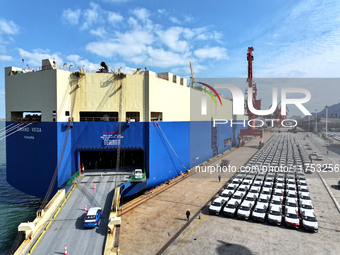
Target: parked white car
x: 230, y: 208
x: 309, y: 221
x: 216, y: 205
x: 259, y: 213
x: 275, y: 215
x: 243, y: 212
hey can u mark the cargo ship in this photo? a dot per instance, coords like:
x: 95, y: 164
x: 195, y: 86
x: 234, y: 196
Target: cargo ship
x: 60, y: 122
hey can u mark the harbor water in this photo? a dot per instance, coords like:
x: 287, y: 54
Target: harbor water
x: 15, y: 206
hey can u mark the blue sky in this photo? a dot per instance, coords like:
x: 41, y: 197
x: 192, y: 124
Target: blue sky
x: 291, y: 38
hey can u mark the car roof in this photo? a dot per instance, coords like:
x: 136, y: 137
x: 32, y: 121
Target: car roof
x: 93, y: 210
x: 218, y: 199
x: 309, y: 213
x: 291, y: 210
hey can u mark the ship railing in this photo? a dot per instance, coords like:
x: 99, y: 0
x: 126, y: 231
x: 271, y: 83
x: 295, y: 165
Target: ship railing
x: 98, y: 119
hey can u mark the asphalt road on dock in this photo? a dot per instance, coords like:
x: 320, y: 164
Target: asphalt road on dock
x: 68, y: 228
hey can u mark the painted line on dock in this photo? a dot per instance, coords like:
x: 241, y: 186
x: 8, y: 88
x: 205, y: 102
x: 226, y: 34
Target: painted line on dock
x: 191, y: 232
x: 53, y: 217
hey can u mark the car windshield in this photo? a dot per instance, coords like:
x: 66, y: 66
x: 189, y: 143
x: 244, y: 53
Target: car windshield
x: 216, y: 203
x: 90, y: 217
x: 305, y: 197
x: 259, y: 210
x: 265, y: 192
x: 236, y: 196
x: 256, y: 185
x: 241, y: 189
x: 277, y: 194
x: 275, y: 202
x: 262, y: 200
x: 225, y: 195
x: 292, y: 195
x: 253, y: 191
x: 291, y: 204
x: 307, y: 206
x: 230, y: 206
x: 274, y: 212
x: 230, y: 188
x: 245, y: 208
x: 249, y: 199
x: 292, y: 215
x: 312, y: 219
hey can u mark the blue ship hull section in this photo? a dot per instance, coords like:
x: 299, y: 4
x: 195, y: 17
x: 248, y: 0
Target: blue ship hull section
x: 169, y: 149
x: 31, y: 162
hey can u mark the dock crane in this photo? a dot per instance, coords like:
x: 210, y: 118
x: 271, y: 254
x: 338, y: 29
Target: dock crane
x: 251, y: 131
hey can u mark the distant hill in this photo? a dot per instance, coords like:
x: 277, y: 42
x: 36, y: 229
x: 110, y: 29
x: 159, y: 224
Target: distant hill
x: 333, y: 111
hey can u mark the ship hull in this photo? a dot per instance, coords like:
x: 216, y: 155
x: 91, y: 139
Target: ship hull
x: 163, y: 149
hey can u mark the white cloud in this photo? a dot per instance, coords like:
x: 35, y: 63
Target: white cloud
x: 304, y: 43
x: 76, y: 60
x: 100, y: 32
x: 141, y: 41
x: 71, y: 16
x: 142, y: 14
x: 188, y: 18
x: 131, y: 45
x: 114, y: 17
x: 162, y: 58
x: 33, y: 59
x: 6, y: 58
x: 162, y: 11
x: 211, y: 52
x: 174, y: 20
x: 91, y: 16
x: 8, y: 27
x: 171, y: 38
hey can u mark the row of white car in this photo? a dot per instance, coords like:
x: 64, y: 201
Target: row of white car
x: 275, y: 197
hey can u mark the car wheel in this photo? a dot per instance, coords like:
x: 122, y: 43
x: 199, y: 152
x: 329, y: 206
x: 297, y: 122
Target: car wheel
x: 315, y: 231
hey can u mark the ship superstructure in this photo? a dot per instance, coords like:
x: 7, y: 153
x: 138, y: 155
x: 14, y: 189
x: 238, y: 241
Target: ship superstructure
x: 59, y: 122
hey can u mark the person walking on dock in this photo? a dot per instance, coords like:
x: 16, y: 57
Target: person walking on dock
x: 219, y: 178
x: 188, y: 214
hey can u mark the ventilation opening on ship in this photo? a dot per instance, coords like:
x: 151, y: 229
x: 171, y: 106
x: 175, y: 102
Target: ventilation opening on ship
x: 98, y: 159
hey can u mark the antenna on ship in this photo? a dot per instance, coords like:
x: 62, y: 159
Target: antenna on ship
x: 192, y: 84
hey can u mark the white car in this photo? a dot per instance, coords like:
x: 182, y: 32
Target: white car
x: 250, y: 199
x: 231, y: 187
x: 303, y: 189
x: 217, y: 205
x: 276, y: 201
x: 265, y: 193
x: 278, y: 193
x: 291, y: 194
x: 244, y: 210
x: 305, y: 197
x: 237, y: 196
x: 291, y: 203
x: 292, y: 218
x: 262, y: 202
x: 242, y: 188
x: 254, y: 192
x: 259, y: 213
x: 226, y: 194
x: 306, y: 205
x: 274, y: 215
x: 291, y: 187
x: 309, y: 221
x: 230, y: 208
